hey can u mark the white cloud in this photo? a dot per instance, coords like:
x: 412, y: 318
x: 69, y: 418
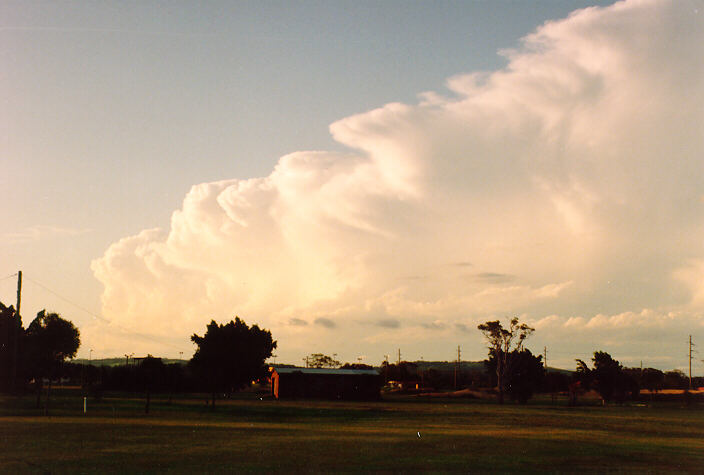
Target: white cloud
x: 570, y: 180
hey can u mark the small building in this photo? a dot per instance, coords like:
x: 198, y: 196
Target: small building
x: 348, y: 384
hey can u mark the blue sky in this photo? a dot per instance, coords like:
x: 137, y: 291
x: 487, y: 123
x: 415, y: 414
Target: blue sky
x: 113, y: 111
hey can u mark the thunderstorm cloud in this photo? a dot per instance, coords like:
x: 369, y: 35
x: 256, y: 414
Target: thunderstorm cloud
x: 567, y: 188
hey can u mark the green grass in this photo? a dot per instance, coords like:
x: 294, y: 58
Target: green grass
x: 248, y: 434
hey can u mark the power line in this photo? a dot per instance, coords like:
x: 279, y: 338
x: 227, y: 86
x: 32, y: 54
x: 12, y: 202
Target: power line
x: 11, y: 275
x: 68, y: 301
x: 102, y: 319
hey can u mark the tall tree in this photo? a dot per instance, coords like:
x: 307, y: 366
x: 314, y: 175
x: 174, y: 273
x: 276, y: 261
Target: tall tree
x: 50, y: 340
x: 231, y: 356
x: 502, y: 341
x: 607, y: 376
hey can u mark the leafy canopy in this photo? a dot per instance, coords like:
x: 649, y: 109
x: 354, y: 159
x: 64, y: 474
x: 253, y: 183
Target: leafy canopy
x: 501, y: 344
x: 230, y: 356
x: 51, y: 340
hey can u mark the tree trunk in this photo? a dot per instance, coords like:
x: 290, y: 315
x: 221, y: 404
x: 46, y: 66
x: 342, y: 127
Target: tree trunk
x: 48, y: 394
x: 499, y: 378
x: 40, y: 386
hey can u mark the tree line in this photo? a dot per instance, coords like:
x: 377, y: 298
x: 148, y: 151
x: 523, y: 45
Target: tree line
x: 228, y: 358
x: 232, y: 356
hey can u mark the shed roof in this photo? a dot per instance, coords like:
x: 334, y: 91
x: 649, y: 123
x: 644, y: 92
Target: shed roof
x: 371, y: 372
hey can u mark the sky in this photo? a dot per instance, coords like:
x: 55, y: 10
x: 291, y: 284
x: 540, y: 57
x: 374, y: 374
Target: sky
x: 358, y: 177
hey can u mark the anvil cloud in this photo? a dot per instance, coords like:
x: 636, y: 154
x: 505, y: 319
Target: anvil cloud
x: 567, y: 187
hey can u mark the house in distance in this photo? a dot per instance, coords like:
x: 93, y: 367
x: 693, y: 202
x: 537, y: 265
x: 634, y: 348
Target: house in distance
x: 324, y: 383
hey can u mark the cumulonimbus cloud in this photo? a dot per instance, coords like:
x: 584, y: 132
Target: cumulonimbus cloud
x: 568, y: 184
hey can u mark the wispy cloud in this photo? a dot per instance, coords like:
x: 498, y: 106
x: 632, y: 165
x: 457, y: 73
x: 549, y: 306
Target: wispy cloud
x: 388, y: 323
x: 124, y: 31
x: 40, y: 232
x: 325, y: 322
x: 494, y: 278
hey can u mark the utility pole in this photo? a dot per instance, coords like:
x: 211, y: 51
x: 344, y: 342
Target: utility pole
x: 16, y: 324
x: 386, y: 369
x: 399, y: 357
x: 690, y: 362
x: 545, y: 357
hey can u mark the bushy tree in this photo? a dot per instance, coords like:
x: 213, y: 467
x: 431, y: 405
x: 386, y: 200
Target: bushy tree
x: 11, y: 336
x: 50, y: 340
x: 606, y: 377
x: 652, y: 379
x: 150, y: 376
x: 502, y: 341
x: 229, y: 357
x: 524, y: 376
x: 676, y: 379
x: 607, y: 373
x: 405, y: 371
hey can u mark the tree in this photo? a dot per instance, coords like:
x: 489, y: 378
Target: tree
x: 11, y: 333
x: 50, y: 340
x: 525, y: 374
x: 652, y: 379
x: 675, y: 379
x: 607, y: 377
x: 151, y: 375
x: 502, y: 341
x: 319, y: 360
x: 231, y: 356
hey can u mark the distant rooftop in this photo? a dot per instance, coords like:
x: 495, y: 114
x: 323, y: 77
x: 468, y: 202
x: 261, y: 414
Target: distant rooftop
x: 279, y: 370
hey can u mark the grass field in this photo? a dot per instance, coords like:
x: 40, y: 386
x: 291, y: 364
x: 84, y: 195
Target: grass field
x: 396, y: 435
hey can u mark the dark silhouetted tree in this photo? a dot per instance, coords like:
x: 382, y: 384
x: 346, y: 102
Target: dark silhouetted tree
x: 652, y: 379
x: 606, y: 377
x: 151, y: 376
x: 406, y: 371
x: 502, y: 341
x: 229, y: 357
x: 607, y: 374
x: 50, y: 340
x: 676, y: 379
x: 525, y: 374
x: 11, y: 334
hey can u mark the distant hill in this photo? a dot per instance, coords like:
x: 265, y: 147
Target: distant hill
x: 449, y: 366
x: 467, y: 366
x: 425, y: 365
x: 122, y: 361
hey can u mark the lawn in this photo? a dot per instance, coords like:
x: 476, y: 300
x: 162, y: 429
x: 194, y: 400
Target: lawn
x: 395, y: 435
